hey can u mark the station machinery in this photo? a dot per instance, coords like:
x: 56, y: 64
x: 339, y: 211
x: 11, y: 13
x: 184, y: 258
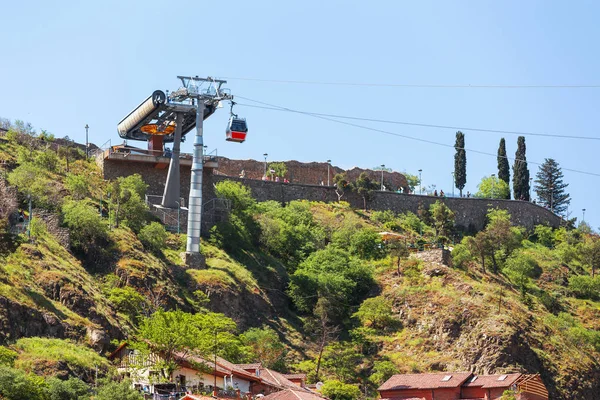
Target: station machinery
x: 167, y: 118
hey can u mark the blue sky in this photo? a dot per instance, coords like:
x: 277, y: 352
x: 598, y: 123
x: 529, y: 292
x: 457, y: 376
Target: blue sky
x: 69, y: 63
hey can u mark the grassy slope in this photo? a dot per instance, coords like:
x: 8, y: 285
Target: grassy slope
x: 450, y: 322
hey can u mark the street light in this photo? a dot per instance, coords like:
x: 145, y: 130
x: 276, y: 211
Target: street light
x: 328, y: 164
x: 382, y: 167
x: 583, y: 219
x: 265, y: 155
x: 493, y: 184
x: 453, y: 184
x: 87, y: 144
x: 530, y: 182
x: 420, y: 185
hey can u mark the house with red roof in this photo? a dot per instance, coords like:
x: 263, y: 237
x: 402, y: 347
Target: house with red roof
x: 462, y: 386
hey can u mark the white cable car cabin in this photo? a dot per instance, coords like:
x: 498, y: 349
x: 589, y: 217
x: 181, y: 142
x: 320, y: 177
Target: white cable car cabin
x: 237, y: 129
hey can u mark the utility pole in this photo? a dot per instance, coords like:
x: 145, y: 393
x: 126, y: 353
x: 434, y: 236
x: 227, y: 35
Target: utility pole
x: 382, y: 168
x: 328, y: 164
x: 420, y: 184
x: 87, y: 143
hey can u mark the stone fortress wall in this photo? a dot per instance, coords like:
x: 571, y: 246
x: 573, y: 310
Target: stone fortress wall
x: 470, y: 212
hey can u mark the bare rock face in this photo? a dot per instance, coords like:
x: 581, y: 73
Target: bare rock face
x: 98, y: 339
x: 18, y: 320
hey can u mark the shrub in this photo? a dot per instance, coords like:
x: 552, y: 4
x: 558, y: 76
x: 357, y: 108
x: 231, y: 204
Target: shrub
x: 153, y: 236
x: 127, y: 300
x: 239, y: 195
x: 266, y: 346
x: 376, y: 312
x: 367, y: 245
x: 78, y: 186
x: 7, y: 356
x: 110, y: 390
x: 336, y: 390
x: 383, y: 217
x: 585, y: 286
x: 544, y: 235
x: 17, y: 385
x: 47, y: 160
x: 382, y: 371
x: 520, y: 267
x: 85, y: 224
x: 461, y: 255
x: 71, y: 389
x: 33, y: 180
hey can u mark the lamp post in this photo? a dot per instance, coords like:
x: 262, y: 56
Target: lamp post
x: 583, y: 219
x: 328, y: 165
x: 551, y: 198
x: 265, y: 155
x: 452, y: 183
x: 382, y: 167
x: 530, y: 182
x: 87, y: 144
x: 420, y: 185
x: 493, y: 184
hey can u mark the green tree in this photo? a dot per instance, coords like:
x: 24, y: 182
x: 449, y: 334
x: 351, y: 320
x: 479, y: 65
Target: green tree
x: 376, y: 312
x: 35, y: 181
x: 521, y: 172
x: 128, y: 300
x: 366, y: 244
x: 279, y: 167
x: 590, y: 253
x: 544, y: 235
x: 153, y: 236
x: 550, y: 187
x: 520, y: 268
x: 382, y: 371
x: 336, y: 390
x: 460, y: 162
x: 85, y: 225
x: 491, y: 187
x: 78, y: 185
x: 412, y: 181
x: 442, y: 217
x: 111, y: 390
x: 266, y: 346
x: 341, y: 185
x: 168, y: 333
x: 584, y: 286
x: 127, y: 196
x: 365, y: 187
x: 17, y: 385
x: 239, y: 195
x: 71, y: 389
x: 503, y: 167
x: 341, y: 359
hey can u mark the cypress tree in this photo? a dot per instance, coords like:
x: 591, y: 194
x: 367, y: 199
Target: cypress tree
x: 550, y: 188
x: 460, y: 162
x: 520, y: 172
x: 503, y: 167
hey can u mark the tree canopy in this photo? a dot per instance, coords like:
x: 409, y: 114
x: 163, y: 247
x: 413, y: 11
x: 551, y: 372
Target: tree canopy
x: 550, y: 187
x: 460, y: 162
x: 521, y: 172
x: 491, y: 187
x: 503, y: 167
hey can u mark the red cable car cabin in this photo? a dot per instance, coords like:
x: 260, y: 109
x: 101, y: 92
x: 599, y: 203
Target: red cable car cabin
x: 237, y: 129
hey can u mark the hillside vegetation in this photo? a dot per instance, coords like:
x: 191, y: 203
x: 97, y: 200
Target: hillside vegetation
x: 305, y: 287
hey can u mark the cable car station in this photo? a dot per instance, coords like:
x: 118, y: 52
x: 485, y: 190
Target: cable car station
x: 165, y: 117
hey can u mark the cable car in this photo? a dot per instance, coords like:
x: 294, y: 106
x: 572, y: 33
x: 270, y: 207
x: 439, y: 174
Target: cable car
x: 237, y: 129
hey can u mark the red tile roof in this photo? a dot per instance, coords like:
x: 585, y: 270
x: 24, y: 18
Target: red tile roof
x: 252, y: 366
x: 491, y: 381
x: 425, y: 381
x: 276, y: 379
x: 293, y: 394
x: 295, y: 376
